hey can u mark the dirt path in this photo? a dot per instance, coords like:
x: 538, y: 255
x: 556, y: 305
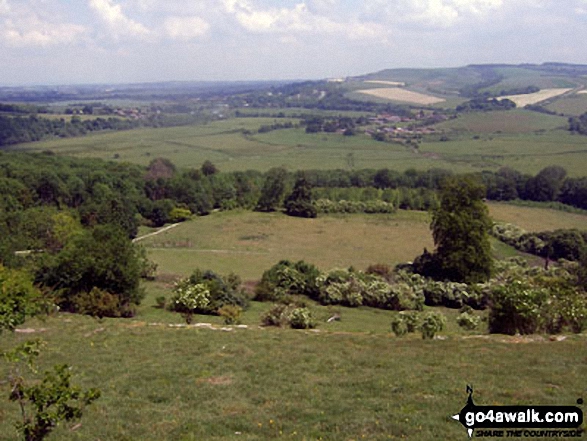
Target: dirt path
x: 154, y: 233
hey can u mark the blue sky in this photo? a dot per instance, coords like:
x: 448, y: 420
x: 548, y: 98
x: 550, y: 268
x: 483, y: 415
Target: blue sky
x: 113, y: 41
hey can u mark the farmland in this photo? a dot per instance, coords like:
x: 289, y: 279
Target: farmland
x: 533, y: 98
x: 399, y: 94
x: 349, y: 379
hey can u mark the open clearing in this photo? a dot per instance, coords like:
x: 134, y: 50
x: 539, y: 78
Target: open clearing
x: 249, y: 243
x: 536, y: 219
x: 533, y: 98
x: 397, y: 94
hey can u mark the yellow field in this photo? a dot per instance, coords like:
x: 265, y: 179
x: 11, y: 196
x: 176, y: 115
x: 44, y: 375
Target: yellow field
x: 397, y: 94
x: 533, y: 98
x: 389, y: 83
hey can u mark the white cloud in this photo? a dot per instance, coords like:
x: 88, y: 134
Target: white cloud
x: 185, y: 28
x: 31, y: 31
x: 4, y: 7
x: 112, y: 14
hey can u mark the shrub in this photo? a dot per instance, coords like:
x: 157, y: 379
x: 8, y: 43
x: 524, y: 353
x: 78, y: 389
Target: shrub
x: 222, y: 290
x: 516, y: 307
x: 301, y: 318
x: 179, y: 215
x: 98, y: 303
x: 399, y: 326
x: 19, y: 298
x: 468, y: 321
x: 231, y: 314
x: 431, y: 323
x: 190, y: 298
x: 287, y: 278
x: 161, y: 302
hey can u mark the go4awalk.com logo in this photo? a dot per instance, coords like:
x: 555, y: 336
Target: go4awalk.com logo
x: 521, y: 421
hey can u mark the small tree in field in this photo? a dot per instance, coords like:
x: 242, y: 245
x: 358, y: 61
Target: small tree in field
x: 273, y: 189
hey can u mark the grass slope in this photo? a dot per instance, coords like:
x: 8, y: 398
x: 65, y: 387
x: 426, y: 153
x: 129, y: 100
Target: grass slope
x: 162, y: 383
x: 249, y: 243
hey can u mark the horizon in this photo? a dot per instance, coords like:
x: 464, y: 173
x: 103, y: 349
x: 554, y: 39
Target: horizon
x: 57, y: 42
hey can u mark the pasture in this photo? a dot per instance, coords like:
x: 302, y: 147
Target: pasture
x: 249, y: 243
x: 165, y: 383
x: 526, y: 141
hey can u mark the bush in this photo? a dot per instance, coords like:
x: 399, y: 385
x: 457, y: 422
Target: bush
x: 431, y: 323
x: 287, y: 278
x: 516, y: 307
x: 161, y: 302
x: 222, y: 290
x: 99, y: 303
x: 231, y: 314
x: 301, y: 318
x: 19, y: 298
x: 468, y: 321
x: 399, y: 326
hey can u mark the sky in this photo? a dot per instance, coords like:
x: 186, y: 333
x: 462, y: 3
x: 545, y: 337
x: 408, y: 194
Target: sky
x: 127, y: 41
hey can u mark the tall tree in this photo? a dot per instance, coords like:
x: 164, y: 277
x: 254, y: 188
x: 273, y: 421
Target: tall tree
x: 299, y: 202
x: 273, y: 189
x: 460, y: 227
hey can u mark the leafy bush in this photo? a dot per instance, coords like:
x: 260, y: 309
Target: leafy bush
x: 468, y: 321
x: 287, y: 278
x: 100, y: 303
x: 190, y: 298
x: 301, y: 318
x: 231, y: 314
x: 19, y: 298
x: 431, y: 323
x: 344, y: 206
x: 399, y: 326
x: 222, y: 290
x: 288, y: 315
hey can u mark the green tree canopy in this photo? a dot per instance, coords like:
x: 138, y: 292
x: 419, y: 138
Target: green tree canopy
x: 460, y: 227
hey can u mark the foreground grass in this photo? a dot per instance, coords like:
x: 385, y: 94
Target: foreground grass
x: 161, y: 383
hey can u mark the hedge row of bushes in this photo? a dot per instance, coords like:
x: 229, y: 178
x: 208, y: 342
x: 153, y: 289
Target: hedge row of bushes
x: 343, y: 206
x: 559, y: 244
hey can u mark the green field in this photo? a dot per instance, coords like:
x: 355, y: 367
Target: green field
x: 536, y: 219
x: 514, y: 122
x: 570, y: 105
x: 526, y: 141
x: 163, y: 383
x: 248, y: 243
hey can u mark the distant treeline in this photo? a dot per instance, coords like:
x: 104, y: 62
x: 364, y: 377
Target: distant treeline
x: 19, y: 129
x: 485, y: 104
x: 35, y: 187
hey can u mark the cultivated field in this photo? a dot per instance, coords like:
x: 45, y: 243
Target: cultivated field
x: 398, y: 94
x: 387, y: 83
x: 533, y: 98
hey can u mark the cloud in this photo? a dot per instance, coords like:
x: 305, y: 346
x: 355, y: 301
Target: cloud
x: 4, y: 7
x: 117, y: 21
x: 185, y: 28
x: 31, y: 31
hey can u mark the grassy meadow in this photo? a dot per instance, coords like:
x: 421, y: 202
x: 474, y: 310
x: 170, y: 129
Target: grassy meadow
x: 527, y: 141
x: 249, y: 243
x: 167, y: 383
